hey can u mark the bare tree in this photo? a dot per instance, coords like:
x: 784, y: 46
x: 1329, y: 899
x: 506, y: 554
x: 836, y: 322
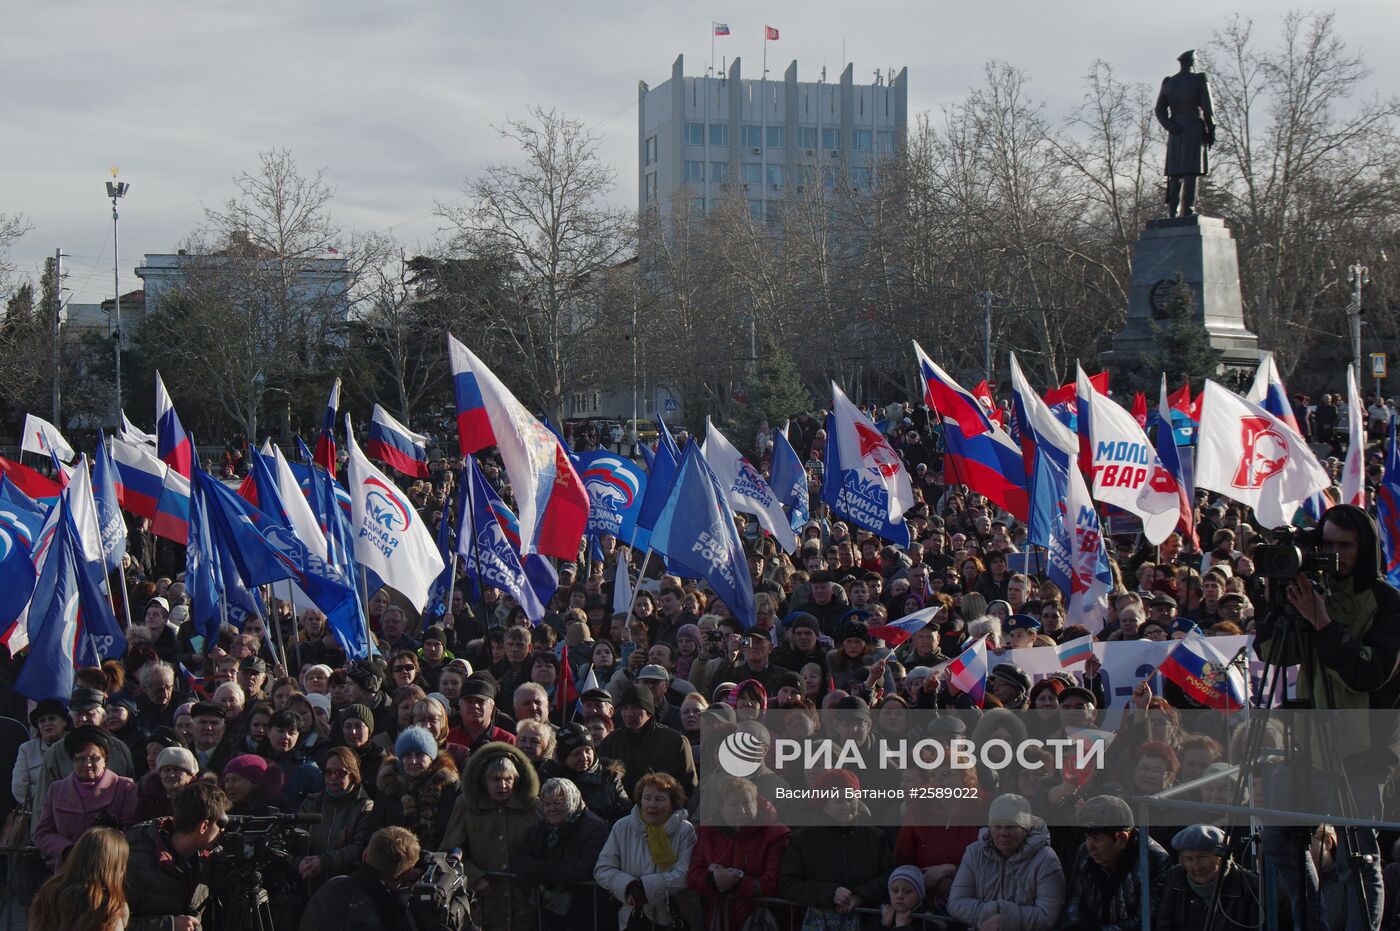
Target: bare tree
x: 547, y: 213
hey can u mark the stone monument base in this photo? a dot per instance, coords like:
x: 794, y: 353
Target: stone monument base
x: 1201, y: 250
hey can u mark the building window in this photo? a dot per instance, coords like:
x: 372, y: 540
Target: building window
x: 831, y: 139
x: 884, y: 140
x: 694, y: 172
x: 651, y: 185
x: 719, y: 172
x: 860, y: 140
x: 752, y: 136
x: 777, y: 137
x: 756, y: 209
x: 861, y: 177
x: 694, y: 133
x: 775, y: 175
x: 806, y: 137
x: 829, y: 176
x: 753, y: 173
x: 697, y: 206
x: 719, y: 134
x: 651, y: 149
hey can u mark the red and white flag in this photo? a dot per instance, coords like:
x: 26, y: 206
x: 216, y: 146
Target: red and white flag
x: 770, y: 33
x: 1354, y: 469
x: 1248, y: 454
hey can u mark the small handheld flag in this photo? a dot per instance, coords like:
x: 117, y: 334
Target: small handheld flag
x: 1204, y: 675
x: 1074, y: 652
x: 969, y: 671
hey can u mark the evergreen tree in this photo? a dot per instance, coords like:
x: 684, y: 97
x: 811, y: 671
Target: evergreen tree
x: 1184, y: 347
x: 775, y: 394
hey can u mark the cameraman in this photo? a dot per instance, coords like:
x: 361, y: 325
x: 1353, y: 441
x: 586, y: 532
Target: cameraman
x: 167, y: 877
x: 1345, y: 643
x: 367, y: 899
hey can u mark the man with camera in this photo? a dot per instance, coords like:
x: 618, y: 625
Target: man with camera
x: 167, y: 877
x: 367, y: 900
x: 1345, y: 639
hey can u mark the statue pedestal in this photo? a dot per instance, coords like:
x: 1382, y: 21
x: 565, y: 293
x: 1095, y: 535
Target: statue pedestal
x: 1202, y: 251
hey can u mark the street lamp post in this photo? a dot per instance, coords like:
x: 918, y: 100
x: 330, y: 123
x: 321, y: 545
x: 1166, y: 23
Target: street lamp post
x: 115, y: 190
x: 1359, y: 276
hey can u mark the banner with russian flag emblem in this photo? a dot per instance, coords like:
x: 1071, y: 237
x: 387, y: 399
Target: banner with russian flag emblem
x: 1204, y: 675
x: 398, y: 447
x: 968, y: 672
x: 553, y: 504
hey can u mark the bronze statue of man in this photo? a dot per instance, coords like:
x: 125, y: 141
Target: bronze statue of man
x: 1184, y: 110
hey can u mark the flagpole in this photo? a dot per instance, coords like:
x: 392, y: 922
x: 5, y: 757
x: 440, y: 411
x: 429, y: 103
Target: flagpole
x: 469, y: 476
x: 126, y: 596
x: 277, y: 624
x: 637, y: 589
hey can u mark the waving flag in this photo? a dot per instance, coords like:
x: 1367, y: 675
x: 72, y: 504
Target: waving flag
x: 1267, y: 391
x: 897, y: 631
x: 969, y: 671
x: 17, y: 576
x: 396, y: 446
x: 129, y: 433
x: 721, y: 29
x: 770, y: 33
x: 56, y: 626
x: 1248, y: 454
x: 1140, y: 410
x: 1049, y: 516
x: 616, y: 487
x: 485, y: 546
x: 1037, y: 428
x: 30, y: 482
x: 552, y: 502
x: 325, y: 443
x: 333, y: 522
x: 1170, y: 455
x: 109, y: 514
x: 1076, y: 651
x: 622, y: 587
x: 745, y: 488
x: 1388, y: 507
x: 988, y: 463
x: 1125, y: 468
x: 1066, y: 394
x: 661, y: 475
x: 172, y: 443
x: 865, y: 480
x: 21, y: 513
x: 1204, y: 675
x: 1354, y: 468
x: 697, y: 535
x: 440, y: 592
x: 951, y: 400
x: 1091, y: 578
x: 788, y: 478
x: 140, y: 478
x: 389, y: 535
x: 44, y: 439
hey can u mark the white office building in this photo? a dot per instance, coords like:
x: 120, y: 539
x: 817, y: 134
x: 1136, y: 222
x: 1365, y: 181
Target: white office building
x: 700, y: 138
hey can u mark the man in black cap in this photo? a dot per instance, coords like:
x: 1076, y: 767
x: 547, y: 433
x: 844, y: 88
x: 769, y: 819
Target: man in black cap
x: 366, y: 683
x: 644, y: 745
x: 598, y: 701
x: 802, y: 644
x: 1105, y: 887
x: 86, y: 708
x: 1010, y: 685
x: 477, y: 707
x: 213, y: 745
x: 433, y: 656
x: 252, y: 675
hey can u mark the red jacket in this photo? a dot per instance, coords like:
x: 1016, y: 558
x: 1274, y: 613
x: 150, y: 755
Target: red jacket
x: 758, y: 851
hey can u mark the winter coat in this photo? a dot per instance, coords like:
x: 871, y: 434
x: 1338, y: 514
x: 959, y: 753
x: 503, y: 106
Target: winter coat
x: 653, y: 748
x: 67, y: 813
x: 29, y: 763
x: 564, y: 871
x: 300, y: 778
x: 820, y: 859
x: 491, y: 834
x: 626, y: 858
x: 1114, y: 902
x: 1026, y: 889
x: 152, y: 801
x: 1180, y: 907
x: 601, y: 787
x: 757, y: 850
x: 160, y: 885
x: 371, y: 758
x: 58, y: 765
x: 422, y: 805
x: 341, y: 837
x: 359, y: 902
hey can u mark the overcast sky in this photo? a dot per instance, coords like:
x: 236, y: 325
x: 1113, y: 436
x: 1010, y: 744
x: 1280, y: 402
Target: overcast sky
x: 396, y: 100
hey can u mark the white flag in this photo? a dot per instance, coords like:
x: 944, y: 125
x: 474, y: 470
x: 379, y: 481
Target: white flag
x: 132, y: 435
x: 745, y: 487
x: 83, y: 509
x: 1248, y: 454
x: 41, y: 437
x: 1354, y: 469
x: 1091, y: 578
x: 622, y: 588
x: 1126, y: 470
x: 390, y: 537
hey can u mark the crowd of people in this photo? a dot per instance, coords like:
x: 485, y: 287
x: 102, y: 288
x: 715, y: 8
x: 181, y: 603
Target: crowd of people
x: 609, y: 808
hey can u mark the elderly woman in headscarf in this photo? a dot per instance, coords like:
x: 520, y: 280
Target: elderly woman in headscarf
x: 558, y: 858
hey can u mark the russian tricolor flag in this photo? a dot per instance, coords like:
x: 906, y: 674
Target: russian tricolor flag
x: 896, y: 632
x: 1074, y: 652
x: 1204, y: 675
x: 951, y: 400
x: 989, y: 464
x: 969, y: 671
x: 325, y: 443
x: 395, y: 445
x: 552, y: 501
x: 172, y: 443
x: 149, y: 488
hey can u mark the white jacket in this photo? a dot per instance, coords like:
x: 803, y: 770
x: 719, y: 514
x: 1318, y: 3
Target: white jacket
x: 627, y: 857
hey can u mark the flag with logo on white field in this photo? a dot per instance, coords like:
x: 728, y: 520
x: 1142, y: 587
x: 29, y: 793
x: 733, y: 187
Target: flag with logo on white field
x: 622, y: 588
x: 1354, y: 468
x: 1253, y: 457
x: 44, y: 439
x: 390, y: 538
x: 745, y: 487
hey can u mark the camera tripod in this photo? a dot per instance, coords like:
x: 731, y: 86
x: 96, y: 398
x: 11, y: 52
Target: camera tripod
x: 247, y: 907
x: 1320, y: 740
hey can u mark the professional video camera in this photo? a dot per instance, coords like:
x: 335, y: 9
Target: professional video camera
x: 254, y: 868
x: 440, y: 900
x: 1292, y: 553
